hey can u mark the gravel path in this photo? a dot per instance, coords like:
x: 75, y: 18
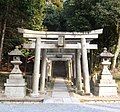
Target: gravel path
x: 59, y: 108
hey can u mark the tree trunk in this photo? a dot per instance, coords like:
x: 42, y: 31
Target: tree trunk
x: 116, y: 53
x: 117, y: 48
x: 2, y: 41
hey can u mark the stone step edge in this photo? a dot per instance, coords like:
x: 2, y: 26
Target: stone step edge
x: 21, y: 100
x: 99, y: 100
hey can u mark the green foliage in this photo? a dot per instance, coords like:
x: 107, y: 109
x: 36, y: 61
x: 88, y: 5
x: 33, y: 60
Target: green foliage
x: 19, y: 13
x: 27, y: 52
x: 37, y: 9
x: 58, y: 3
x: 52, y: 17
x: 107, y: 13
x: 82, y: 15
x: 77, y: 15
x: 54, y: 20
x: 107, y: 16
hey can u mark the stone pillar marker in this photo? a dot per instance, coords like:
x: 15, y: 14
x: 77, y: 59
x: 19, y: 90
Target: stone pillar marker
x: 15, y: 85
x: 85, y: 65
x: 36, y: 74
x: 107, y: 86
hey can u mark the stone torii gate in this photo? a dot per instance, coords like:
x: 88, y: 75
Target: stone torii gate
x: 79, y: 41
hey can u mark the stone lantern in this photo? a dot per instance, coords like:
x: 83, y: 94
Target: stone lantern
x: 107, y: 85
x: 15, y: 86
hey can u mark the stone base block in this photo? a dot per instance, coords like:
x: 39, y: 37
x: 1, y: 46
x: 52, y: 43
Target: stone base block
x: 106, y: 91
x: 17, y: 92
x: 34, y: 95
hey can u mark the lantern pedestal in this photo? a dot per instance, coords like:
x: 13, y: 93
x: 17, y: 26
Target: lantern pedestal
x: 107, y: 85
x: 15, y: 85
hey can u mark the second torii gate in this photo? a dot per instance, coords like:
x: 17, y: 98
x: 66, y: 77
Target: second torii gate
x: 47, y: 40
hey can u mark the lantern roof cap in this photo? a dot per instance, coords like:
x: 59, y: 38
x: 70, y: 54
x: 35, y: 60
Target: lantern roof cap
x: 15, y: 52
x: 106, y: 54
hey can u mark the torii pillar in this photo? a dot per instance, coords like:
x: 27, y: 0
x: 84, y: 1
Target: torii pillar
x: 43, y: 72
x: 74, y: 69
x: 70, y: 70
x: 49, y: 69
x: 85, y: 65
x: 36, y: 74
x: 78, y: 75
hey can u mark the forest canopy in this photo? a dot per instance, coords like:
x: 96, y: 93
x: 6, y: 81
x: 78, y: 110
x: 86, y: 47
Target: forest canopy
x: 59, y: 15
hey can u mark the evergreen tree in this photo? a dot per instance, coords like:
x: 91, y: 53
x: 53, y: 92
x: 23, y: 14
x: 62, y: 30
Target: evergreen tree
x: 18, y: 13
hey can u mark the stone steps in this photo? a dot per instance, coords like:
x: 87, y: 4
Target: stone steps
x: 60, y: 94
